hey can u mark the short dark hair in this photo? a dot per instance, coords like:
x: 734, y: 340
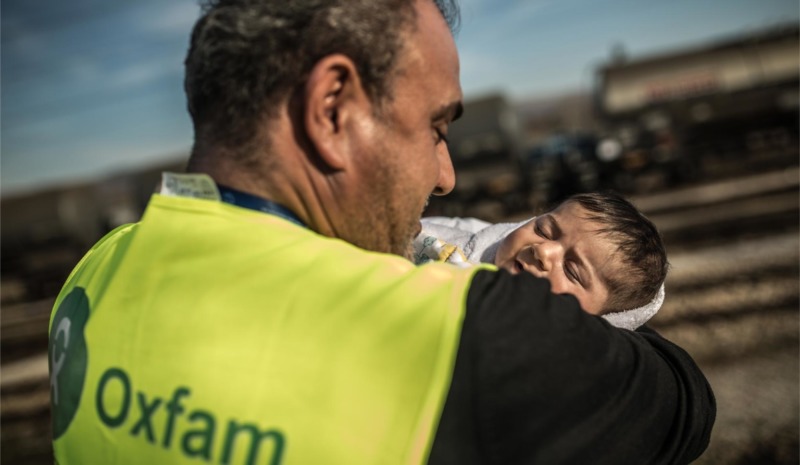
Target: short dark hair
x: 641, y: 247
x: 246, y: 56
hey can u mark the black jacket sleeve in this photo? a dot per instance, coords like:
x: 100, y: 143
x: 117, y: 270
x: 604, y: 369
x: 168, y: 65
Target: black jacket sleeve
x: 539, y: 381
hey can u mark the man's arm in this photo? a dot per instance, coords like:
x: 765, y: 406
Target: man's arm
x: 537, y: 380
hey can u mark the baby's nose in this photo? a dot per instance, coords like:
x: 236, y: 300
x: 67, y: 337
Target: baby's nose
x: 548, y: 254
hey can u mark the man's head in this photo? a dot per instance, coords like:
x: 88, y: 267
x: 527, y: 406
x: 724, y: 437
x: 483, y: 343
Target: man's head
x: 597, y: 247
x: 319, y: 105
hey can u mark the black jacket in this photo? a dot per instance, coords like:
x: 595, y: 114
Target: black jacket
x: 538, y: 381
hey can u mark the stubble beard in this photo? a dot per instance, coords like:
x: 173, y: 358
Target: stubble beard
x: 389, y: 224
x: 391, y: 237
x: 402, y: 222
x: 403, y: 245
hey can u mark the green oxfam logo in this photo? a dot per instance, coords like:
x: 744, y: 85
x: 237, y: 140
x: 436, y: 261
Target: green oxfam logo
x: 67, y: 357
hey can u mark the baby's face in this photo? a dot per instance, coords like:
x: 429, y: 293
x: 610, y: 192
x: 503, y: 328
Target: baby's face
x: 565, y: 248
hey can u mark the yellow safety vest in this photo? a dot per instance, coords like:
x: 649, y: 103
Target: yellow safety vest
x: 211, y: 333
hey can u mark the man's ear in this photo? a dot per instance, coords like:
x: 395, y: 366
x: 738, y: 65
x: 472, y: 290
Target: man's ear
x: 333, y: 95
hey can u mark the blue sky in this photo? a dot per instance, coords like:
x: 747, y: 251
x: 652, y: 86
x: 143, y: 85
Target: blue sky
x: 94, y: 87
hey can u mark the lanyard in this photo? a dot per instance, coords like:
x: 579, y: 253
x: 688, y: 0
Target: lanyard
x: 252, y: 202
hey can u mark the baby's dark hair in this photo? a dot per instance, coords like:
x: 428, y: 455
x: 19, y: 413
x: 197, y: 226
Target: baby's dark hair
x: 639, y: 246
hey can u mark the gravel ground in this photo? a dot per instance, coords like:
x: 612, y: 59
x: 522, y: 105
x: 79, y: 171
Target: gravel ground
x: 734, y: 308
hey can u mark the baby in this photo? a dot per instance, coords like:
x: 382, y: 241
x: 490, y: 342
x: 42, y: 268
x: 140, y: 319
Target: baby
x: 597, y: 247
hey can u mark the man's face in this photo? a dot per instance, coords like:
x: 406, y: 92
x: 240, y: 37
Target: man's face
x: 407, y: 158
x: 565, y: 248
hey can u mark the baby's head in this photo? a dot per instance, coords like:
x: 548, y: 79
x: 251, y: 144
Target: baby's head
x: 597, y: 247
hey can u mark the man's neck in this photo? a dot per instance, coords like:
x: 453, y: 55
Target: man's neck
x: 296, y: 187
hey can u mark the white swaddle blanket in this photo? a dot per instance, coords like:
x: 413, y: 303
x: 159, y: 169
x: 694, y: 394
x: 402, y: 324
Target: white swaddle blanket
x: 467, y: 241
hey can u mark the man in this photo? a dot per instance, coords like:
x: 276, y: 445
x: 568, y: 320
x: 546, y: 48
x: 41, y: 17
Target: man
x: 266, y: 316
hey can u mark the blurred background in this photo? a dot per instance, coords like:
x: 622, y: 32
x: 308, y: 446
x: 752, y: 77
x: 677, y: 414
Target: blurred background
x: 690, y: 108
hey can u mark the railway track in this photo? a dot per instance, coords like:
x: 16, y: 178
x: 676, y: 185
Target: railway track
x: 732, y: 302
x: 733, y: 293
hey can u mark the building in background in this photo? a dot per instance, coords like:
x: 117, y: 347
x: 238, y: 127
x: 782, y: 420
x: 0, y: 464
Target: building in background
x: 703, y: 111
